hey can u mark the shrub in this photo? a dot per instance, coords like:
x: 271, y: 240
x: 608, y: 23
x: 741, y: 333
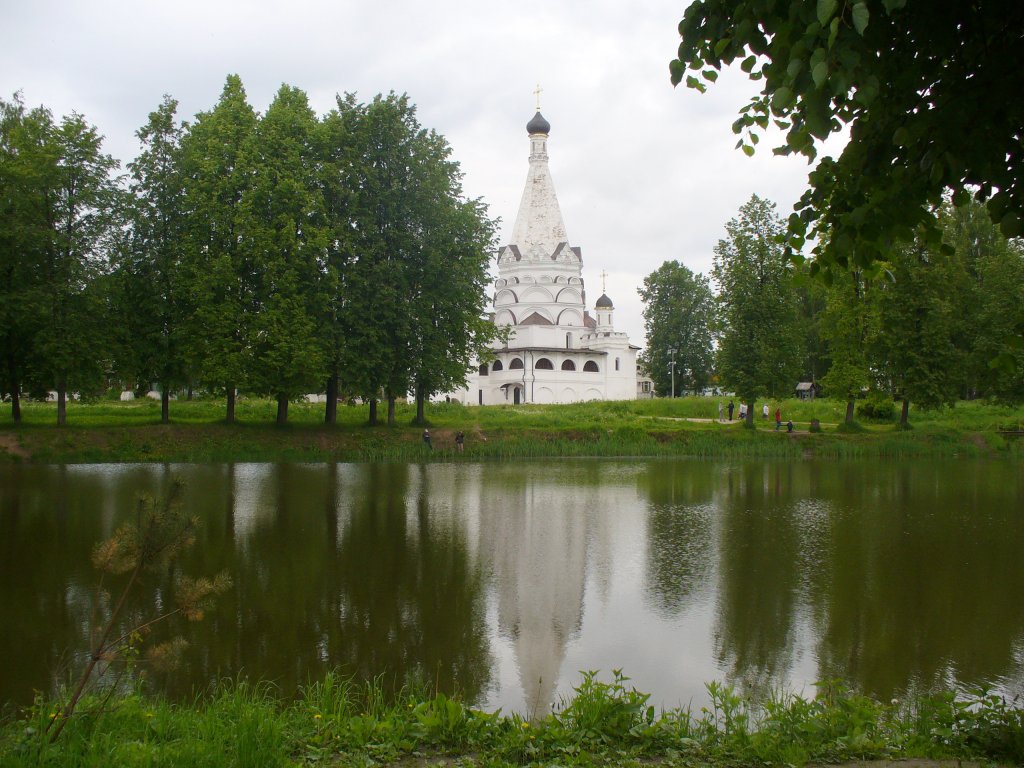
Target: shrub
x: 877, y: 406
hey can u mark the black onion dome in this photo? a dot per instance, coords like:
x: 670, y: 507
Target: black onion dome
x: 604, y: 302
x: 538, y: 125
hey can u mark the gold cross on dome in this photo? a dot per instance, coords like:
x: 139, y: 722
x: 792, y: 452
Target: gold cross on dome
x: 537, y: 92
x: 604, y: 278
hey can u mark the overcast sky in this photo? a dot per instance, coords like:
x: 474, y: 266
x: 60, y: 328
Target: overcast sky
x: 644, y: 173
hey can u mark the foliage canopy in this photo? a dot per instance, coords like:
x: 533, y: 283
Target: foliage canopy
x: 679, y: 315
x: 909, y: 80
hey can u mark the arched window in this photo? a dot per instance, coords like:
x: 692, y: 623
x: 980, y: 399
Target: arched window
x: 543, y: 364
x: 497, y: 366
x: 483, y: 369
x: 591, y: 366
x: 516, y: 364
x: 568, y: 365
x: 616, y: 363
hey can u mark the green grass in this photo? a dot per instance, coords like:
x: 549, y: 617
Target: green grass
x: 337, y: 721
x: 106, y: 431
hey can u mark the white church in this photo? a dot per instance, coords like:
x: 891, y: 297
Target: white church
x: 557, y: 352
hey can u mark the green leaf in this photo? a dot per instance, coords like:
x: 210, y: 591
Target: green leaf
x: 782, y: 99
x: 818, y: 117
x: 826, y: 10
x: 861, y: 15
x: 748, y: 150
x: 820, y: 73
x: 693, y: 82
x: 721, y: 45
x: 833, y: 31
x: 748, y: 64
x: 676, y: 70
x: 1010, y: 224
x: 901, y: 137
x: 893, y: 5
x: 710, y: 75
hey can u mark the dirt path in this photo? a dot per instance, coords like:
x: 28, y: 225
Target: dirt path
x: 9, y: 444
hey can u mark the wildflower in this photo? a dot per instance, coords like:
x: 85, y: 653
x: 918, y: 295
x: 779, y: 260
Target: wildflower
x: 150, y: 715
x: 317, y: 716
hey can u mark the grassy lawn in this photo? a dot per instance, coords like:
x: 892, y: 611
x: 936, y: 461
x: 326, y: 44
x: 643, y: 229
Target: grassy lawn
x: 115, y: 431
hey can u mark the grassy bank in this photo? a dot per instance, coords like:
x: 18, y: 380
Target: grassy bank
x: 337, y: 722
x: 115, y: 432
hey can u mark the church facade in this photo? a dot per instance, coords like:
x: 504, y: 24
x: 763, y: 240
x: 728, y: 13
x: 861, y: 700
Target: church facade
x: 557, y: 352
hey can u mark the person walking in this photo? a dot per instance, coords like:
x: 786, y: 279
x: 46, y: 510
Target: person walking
x: 460, y: 439
x: 720, y: 411
x: 764, y: 412
x: 426, y: 439
x: 731, y: 406
x: 778, y: 418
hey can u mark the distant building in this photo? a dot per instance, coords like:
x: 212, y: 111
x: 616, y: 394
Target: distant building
x: 557, y: 352
x: 806, y: 390
x: 645, y: 388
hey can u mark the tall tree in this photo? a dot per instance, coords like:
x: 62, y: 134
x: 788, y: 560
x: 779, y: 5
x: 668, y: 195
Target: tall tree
x: 848, y: 326
x: 81, y: 208
x: 760, y: 349
x: 907, y: 80
x: 375, y: 316
x: 989, y: 294
x: 150, y: 299
x: 285, y: 239
x: 338, y: 153
x: 679, y: 314
x: 451, y: 290
x: 811, y: 300
x: 221, y: 281
x: 914, y: 348
x: 404, y: 185
x: 24, y: 164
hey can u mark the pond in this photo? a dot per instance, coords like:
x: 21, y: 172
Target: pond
x: 503, y: 581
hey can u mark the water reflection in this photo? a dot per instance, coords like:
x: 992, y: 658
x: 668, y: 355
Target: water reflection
x: 502, y: 581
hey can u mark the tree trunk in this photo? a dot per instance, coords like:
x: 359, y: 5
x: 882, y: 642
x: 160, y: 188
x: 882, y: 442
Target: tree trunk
x: 165, y: 404
x: 373, y: 412
x: 421, y: 410
x: 62, y: 404
x: 849, y: 410
x: 282, y: 409
x: 904, y: 413
x: 189, y: 396
x: 750, y: 414
x: 231, y: 404
x: 391, y: 410
x: 331, y: 411
x: 15, y: 394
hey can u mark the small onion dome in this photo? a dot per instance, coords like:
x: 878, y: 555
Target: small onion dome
x: 538, y: 125
x: 604, y: 302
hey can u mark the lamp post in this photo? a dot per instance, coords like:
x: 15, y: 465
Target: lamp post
x: 672, y: 367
